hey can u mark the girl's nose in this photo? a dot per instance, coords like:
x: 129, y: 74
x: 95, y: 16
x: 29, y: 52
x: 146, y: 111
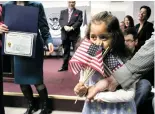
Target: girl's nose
x: 94, y: 39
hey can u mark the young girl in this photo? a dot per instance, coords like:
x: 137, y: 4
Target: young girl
x: 104, y: 30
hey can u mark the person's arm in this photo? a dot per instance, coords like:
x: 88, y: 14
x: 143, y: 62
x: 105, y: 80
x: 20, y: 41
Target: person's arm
x: 141, y: 63
x: 44, y: 29
x: 43, y: 26
x: 117, y: 96
x: 61, y: 19
x: 149, y: 31
x: 78, y: 23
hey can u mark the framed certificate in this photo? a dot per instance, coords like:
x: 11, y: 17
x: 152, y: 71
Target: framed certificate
x: 19, y: 43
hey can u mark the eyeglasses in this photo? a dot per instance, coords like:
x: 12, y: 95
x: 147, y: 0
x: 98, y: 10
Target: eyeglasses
x: 71, y: 2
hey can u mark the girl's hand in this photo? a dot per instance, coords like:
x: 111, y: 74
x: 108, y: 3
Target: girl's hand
x: 91, y: 93
x: 101, y: 85
x: 3, y: 28
x: 112, y: 83
x: 80, y: 89
x: 51, y: 48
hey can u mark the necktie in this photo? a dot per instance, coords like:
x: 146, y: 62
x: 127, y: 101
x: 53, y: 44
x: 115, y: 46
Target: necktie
x: 69, y: 14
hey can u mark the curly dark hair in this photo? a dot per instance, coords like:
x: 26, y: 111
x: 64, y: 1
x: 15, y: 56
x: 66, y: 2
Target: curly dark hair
x: 118, y: 46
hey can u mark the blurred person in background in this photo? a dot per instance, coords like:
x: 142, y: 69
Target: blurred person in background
x: 70, y: 21
x: 131, y: 41
x: 129, y: 22
x: 143, y: 86
x: 144, y: 28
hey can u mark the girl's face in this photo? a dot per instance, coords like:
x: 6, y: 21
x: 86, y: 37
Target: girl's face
x: 127, y: 22
x: 99, y: 34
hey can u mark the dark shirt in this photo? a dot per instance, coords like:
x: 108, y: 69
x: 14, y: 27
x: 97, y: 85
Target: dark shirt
x: 144, y: 34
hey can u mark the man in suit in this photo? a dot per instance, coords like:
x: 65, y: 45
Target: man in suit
x: 70, y: 21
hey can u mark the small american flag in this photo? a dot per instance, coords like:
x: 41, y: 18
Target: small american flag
x: 87, y: 55
x: 112, y: 62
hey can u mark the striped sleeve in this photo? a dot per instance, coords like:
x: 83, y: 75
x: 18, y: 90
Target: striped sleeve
x: 141, y: 62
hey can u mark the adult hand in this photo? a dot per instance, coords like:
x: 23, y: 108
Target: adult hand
x: 71, y: 28
x: 67, y: 28
x: 50, y: 47
x: 100, y: 86
x: 80, y: 89
x: 112, y: 83
x: 3, y: 28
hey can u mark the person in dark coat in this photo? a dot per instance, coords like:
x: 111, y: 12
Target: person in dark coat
x: 1, y: 84
x: 70, y: 21
x: 29, y: 71
x: 144, y: 28
x: 1, y: 73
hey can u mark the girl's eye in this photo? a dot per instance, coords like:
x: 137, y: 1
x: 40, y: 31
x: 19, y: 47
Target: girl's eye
x: 103, y: 37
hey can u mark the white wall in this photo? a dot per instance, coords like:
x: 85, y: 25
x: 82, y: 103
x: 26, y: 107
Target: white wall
x: 118, y: 9
x: 49, y: 4
x: 129, y: 8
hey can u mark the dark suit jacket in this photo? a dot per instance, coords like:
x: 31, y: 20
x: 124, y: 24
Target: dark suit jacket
x: 145, y: 33
x: 1, y: 83
x: 75, y: 21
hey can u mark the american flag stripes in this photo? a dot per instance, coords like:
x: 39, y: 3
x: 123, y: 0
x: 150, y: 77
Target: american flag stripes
x: 85, y: 57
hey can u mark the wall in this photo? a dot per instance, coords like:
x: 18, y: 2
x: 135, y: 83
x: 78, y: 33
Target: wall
x: 122, y: 8
x: 119, y: 9
x: 49, y: 4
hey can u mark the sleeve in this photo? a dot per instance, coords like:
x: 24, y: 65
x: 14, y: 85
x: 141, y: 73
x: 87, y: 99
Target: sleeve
x: 149, y: 31
x: 43, y: 25
x: 3, y: 10
x: 78, y: 23
x: 117, y: 96
x: 61, y: 20
x: 141, y: 63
